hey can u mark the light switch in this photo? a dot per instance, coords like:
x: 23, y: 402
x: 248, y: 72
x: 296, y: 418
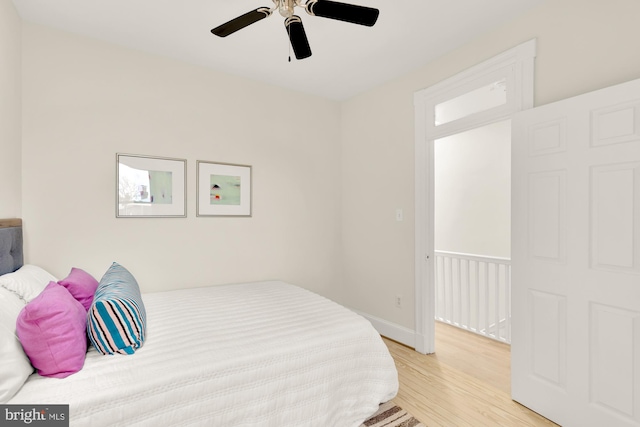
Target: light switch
x: 399, y: 215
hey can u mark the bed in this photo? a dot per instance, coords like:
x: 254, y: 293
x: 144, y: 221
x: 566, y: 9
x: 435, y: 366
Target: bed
x: 252, y: 354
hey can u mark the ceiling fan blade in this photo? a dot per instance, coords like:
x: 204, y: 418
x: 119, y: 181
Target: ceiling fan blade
x: 343, y: 12
x: 298, y: 37
x: 241, y: 21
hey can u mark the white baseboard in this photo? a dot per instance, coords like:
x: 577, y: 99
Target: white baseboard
x: 391, y: 330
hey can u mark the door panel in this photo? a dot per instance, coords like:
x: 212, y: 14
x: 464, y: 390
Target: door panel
x: 548, y: 337
x: 612, y: 211
x: 612, y: 358
x: 576, y: 258
x: 547, y: 215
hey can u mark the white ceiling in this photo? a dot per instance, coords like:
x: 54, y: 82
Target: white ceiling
x: 347, y: 58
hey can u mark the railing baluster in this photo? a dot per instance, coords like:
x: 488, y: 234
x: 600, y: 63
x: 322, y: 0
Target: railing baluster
x: 450, y: 287
x: 436, y: 285
x: 496, y: 307
x: 478, y: 329
x: 468, y: 310
x: 507, y: 300
x: 486, y: 299
x: 459, y: 285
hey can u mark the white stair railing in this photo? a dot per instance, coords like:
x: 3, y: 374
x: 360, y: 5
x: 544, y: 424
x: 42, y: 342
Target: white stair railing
x: 474, y: 293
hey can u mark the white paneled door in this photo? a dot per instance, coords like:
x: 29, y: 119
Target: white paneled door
x: 576, y: 258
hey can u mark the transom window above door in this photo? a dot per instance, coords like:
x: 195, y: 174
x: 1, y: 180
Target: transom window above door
x: 484, y: 98
x: 490, y: 91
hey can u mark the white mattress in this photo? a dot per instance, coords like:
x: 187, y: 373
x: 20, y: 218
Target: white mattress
x: 255, y: 354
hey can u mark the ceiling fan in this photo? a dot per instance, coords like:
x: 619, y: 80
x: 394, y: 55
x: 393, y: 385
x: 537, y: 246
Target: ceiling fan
x: 324, y: 8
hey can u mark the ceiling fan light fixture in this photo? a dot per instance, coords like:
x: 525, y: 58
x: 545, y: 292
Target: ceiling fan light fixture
x: 285, y: 7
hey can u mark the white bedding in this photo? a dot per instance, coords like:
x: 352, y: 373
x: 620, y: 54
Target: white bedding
x: 255, y: 354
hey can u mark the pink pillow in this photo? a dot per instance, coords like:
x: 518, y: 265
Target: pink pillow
x: 81, y: 285
x: 52, y: 330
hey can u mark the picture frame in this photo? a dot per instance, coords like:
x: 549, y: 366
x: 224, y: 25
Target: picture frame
x: 150, y: 187
x: 223, y: 189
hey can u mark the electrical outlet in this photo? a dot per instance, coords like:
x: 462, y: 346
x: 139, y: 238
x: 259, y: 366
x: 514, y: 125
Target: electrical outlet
x: 399, y: 301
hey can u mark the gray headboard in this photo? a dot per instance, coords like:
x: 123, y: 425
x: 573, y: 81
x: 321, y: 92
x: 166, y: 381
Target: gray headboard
x: 11, y: 257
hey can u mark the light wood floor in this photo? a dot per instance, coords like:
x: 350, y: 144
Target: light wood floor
x: 465, y: 383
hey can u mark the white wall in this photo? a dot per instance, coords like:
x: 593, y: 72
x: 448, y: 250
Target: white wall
x: 473, y: 191
x: 583, y: 45
x: 85, y: 100
x: 10, y: 110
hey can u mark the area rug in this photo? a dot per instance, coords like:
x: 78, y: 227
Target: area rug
x: 391, y: 415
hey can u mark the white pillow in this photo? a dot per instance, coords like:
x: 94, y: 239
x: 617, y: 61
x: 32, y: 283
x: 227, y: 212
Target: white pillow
x: 27, y: 282
x: 15, y: 367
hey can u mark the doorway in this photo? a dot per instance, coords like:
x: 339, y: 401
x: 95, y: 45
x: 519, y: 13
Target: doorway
x: 472, y: 240
x: 486, y: 94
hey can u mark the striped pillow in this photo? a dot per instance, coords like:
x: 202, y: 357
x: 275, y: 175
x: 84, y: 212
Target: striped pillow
x: 117, y: 318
